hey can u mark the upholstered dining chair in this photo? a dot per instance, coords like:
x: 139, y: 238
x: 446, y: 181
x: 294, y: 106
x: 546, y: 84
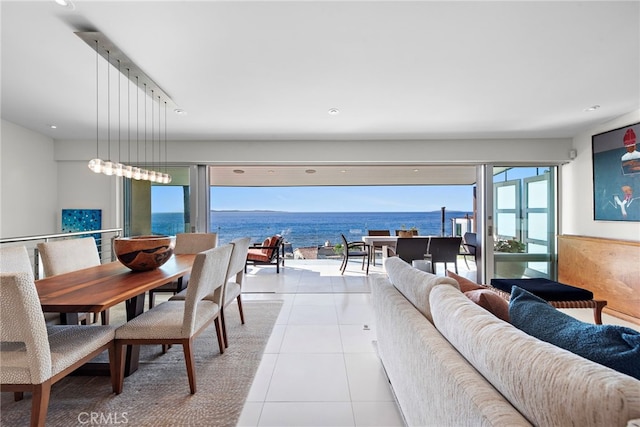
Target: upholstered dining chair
x: 34, y: 356
x: 64, y: 256
x: 233, y: 286
x: 186, y: 243
x: 235, y: 279
x: 444, y: 249
x: 180, y: 322
x: 354, y: 250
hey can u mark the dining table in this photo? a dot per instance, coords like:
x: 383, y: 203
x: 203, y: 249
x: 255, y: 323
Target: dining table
x: 95, y: 289
x: 385, y: 242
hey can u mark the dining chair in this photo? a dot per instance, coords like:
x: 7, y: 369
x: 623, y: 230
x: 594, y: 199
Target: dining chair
x: 178, y: 322
x: 64, y: 256
x: 34, y: 356
x: 444, y: 249
x: 233, y: 286
x: 354, y: 250
x: 410, y: 249
x: 15, y: 259
x: 469, y: 243
x: 186, y: 243
x: 375, y: 247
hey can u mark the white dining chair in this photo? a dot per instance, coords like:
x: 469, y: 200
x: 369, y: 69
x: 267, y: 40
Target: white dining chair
x: 34, y: 356
x: 235, y: 279
x: 15, y: 259
x: 180, y: 322
x: 64, y: 256
x: 186, y: 243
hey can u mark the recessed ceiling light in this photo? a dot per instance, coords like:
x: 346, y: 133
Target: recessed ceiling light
x: 271, y: 171
x: 416, y: 170
x: 333, y: 111
x: 592, y: 108
x: 310, y: 171
x: 238, y: 171
x: 343, y: 171
x: 53, y: 126
x: 66, y: 3
x: 180, y: 112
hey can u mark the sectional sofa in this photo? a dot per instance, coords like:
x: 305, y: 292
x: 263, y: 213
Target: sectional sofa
x: 452, y: 362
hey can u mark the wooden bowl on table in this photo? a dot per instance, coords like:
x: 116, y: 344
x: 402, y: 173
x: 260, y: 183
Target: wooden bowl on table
x: 142, y: 253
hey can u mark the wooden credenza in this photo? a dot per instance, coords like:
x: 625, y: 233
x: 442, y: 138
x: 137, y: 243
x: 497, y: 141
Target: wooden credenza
x: 607, y: 267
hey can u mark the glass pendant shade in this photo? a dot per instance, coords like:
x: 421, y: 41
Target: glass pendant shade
x: 96, y: 165
x: 137, y: 173
x: 144, y: 175
x: 118, y: 169
x: 127, y: 171
x: 152, y: 176
x: 107, y: 169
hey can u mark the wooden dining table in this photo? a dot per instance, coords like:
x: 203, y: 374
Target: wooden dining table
x: 95, y: 289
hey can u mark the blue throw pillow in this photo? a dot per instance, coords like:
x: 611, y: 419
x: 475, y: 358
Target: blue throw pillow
x: 616, y: 347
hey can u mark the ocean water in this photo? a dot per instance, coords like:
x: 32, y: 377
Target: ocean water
x: 305, y: 229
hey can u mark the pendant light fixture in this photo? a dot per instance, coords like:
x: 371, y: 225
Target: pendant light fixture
x: 114, y: 56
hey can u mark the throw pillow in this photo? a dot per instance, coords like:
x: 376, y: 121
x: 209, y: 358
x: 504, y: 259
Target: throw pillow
x: 465, y: 284
x: 490, y: 301
x: 616, y: 347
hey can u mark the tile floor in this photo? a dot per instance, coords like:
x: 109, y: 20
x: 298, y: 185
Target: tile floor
x: 320, y: 366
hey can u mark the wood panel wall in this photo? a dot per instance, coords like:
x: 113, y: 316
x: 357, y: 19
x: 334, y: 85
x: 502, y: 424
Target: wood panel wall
x: 609, y: 268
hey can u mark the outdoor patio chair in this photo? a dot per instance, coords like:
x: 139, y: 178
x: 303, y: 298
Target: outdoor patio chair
x: 410, y: 249
x: 180, y: 322
x: 267, y: 253
x: 354, y: 250
x: 378, y: 247
x: 444, y: 249
x: 468, y: 247
x: 33, y: 356
x: 186, y: 243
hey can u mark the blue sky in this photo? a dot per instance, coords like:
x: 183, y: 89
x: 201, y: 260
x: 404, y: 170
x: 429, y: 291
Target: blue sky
x: 326, y: 199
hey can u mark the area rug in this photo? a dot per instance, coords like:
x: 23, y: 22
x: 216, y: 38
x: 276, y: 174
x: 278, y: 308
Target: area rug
x: 157, y: 394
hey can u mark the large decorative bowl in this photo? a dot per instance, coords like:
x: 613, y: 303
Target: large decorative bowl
x: 142, y: 253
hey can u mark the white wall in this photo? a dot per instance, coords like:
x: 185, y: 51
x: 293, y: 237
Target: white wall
x: 577, y: 190
x: 28, y: 182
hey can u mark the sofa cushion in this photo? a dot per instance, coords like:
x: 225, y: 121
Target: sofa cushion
x: 414, y: 284
x: 614, y: 346
x: 548, y: 385
x: 465, y: 284
x: 491, y: 302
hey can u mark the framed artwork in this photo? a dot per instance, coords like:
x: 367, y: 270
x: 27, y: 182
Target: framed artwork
x: 75, y: 220
x: 616, y: 175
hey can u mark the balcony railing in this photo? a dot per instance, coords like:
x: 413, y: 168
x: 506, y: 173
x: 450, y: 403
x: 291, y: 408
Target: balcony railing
x: 104, y: 241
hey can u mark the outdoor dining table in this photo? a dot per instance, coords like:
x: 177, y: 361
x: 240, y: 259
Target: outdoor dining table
x: 95, y: 289
x: 386, y: 242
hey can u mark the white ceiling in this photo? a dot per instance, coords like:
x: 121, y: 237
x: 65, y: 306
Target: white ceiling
x: 271, y: 70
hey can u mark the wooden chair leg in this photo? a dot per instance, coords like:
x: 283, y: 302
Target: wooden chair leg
x: 240, y: 308
x: 151, y: 300
x: 119, y: 359
x: 191, y: 363
x: 218, y: 325
x: 113, y: 369
x: 18, y: 395
x: 104, y: 315
x: 224, y: 328
x: 40, y: 403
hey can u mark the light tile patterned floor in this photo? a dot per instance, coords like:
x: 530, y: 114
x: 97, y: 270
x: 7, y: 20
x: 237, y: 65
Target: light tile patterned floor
x: 320, y: 367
